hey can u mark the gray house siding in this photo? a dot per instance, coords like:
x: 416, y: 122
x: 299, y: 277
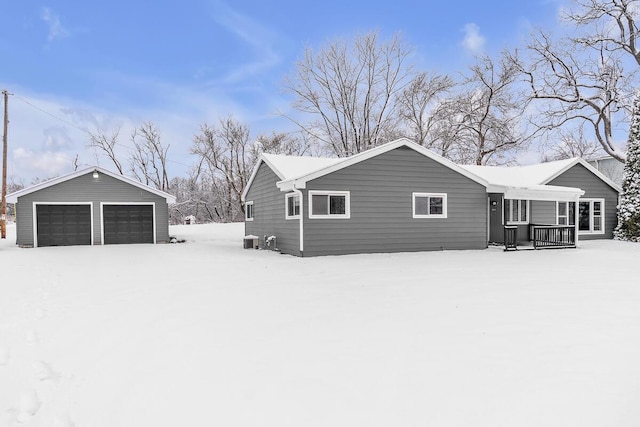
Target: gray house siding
x: 543, y: 212
x: 269, y: 213
x: 578, y: 176
x: 84, y: 189
x: 382, y: 208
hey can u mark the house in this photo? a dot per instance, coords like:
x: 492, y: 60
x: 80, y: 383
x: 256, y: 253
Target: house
x: 92, y: 206
x: 544, y: 194
x: 402, y: 197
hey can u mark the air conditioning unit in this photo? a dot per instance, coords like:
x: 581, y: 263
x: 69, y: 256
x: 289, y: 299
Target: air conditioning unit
x: 251, y: 242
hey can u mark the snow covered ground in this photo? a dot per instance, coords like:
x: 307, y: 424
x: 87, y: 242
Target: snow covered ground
x: 206, y: 333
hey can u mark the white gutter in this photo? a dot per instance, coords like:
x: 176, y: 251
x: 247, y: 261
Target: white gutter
x: 300, y: 195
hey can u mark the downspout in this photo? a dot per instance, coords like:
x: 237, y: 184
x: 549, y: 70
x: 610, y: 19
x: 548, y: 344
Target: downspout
x: 300, y: 195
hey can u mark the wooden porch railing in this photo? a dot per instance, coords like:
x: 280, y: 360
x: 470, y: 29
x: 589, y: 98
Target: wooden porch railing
x: 553, y: 236
x: 510, y: 238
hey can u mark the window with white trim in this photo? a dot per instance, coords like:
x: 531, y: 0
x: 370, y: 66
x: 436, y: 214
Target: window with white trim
x: 517, y: 211
x: 248, y: 211
x: 591, y: 216
x: 329, y: 204
x: 292, y: 206
x: 429, y: 205
x: 566, y: 213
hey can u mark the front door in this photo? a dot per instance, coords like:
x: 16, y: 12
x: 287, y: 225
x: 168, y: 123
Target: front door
x: 496, y: 229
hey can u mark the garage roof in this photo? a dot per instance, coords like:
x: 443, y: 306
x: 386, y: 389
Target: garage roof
x: 13, y: 197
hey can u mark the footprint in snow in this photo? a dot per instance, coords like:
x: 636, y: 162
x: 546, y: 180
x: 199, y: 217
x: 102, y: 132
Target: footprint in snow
x: 28, y: 405
x: 43, y: 371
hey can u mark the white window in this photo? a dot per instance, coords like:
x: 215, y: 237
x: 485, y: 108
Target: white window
x: 591, y: 216
x: 517, y: 211
x: 429, y: 205
x: 248, y: 211
x: 329, y: 204
x: 566, y: 213
x: 292, y: 206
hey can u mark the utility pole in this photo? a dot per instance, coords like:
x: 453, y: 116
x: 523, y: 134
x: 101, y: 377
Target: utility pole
x: 3, y: 208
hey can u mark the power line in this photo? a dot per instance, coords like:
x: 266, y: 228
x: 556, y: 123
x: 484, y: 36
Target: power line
x: 84, y: 130
x: 52, y: 115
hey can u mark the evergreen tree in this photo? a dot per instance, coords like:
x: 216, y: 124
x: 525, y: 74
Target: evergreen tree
x: 629, y: 208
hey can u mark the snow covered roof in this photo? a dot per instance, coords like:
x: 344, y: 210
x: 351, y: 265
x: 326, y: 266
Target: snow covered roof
x: 515, y: 182
x: 296, y: 171
x: 531, y: 175
x: 301, y: 180
x: 287, y: 167
x: 13, y: 197
x: 518, y: 175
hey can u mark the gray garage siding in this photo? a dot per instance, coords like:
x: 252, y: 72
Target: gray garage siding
x: 85, y: 188
x: 578, y: 176
x: 269, y: 212
x: 381, y: 208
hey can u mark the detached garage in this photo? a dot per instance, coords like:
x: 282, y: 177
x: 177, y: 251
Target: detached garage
x: 91, y: 207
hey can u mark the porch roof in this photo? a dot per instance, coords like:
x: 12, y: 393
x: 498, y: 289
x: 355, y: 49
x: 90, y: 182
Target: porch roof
x: 552, y: 193
x: 528, y: 182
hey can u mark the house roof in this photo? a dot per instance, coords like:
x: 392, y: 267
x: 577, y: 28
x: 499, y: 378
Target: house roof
x: 13, y: 197
x: 296, y: 171
x: 531, y: 175
x: 516, y: 182
x: 301, y: 180
x: 287, y: 167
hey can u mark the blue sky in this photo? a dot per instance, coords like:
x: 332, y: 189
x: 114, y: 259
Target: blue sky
x: 180, y: 64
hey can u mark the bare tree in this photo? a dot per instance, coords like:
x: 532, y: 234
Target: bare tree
x: 225, y: 156
x: 589, y: 76
x: 280, y: 143
x: 610, y: 25
x: 350, y: 89
x: 570, y: 143
x: 148, y: 161
x: 483, y: 122
x: 576, y: 86
x: 107, y: 144
x: 421, y: 107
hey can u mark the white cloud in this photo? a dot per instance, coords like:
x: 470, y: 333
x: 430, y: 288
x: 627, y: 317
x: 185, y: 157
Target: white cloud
x: 473, y: 41
x: 259, y: 38
x: 42, y: 164
x: 47, y: 132
x: 56, y: 30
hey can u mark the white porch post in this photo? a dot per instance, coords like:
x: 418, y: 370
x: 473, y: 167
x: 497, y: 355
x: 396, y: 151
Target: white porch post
x: 576, y: 216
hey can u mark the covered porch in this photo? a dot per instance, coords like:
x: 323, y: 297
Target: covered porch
x: 533, y: 217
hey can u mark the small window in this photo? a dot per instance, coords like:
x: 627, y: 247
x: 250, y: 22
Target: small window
x: 248, y: 211
x: 429, y: 205
x: 591, y: 216
x: 292, y: 206
x: 329, y: 204
x: 566, y: 213
x: 517, y: 211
